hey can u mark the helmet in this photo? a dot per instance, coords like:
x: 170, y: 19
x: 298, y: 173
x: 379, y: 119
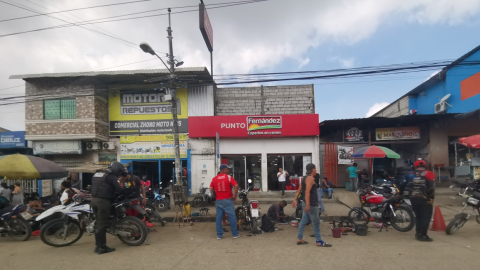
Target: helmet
x: 420, y: 163
x: 116, y: 168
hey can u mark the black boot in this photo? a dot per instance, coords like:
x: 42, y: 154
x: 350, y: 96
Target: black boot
x: 105, y: 249
x: 96, y: 249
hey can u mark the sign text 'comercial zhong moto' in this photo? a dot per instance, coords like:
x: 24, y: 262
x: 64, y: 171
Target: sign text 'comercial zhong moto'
x: 146, y: 112
x: 254, y: 126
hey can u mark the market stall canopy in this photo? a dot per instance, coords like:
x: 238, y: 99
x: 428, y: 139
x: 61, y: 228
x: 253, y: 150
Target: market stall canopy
x: 89, y: 168
x: 472, y: 141
x: 374, y: 151
x: 29, y: 167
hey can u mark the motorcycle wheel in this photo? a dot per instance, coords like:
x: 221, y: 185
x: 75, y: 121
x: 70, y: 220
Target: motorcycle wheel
x: 136, y: 228
x: 19, y: 229
x: 455, y: 224
x: 197, y: 202
x: 154, y: 215
x: 52, y: 233
x: 404, y: 215
x: 161, y: 206
x: 359, y: 216
x: 254, y: 228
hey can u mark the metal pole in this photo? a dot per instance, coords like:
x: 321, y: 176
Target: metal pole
x: 178, y: 164
x: 211, y: 63
x: 245, y: 162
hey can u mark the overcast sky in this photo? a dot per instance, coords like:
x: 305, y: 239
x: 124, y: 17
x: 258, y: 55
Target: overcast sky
x: 271, y: 36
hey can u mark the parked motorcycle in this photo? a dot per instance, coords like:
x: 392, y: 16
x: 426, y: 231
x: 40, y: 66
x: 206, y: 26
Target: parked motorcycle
x: 78, y: 218
x: 15, y: 223
x: 472, y: 200
x: 384, y: 210
x: 159, y: 199
x: 204, y: 196
x: 247, y: 214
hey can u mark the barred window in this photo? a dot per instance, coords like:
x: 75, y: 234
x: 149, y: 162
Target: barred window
x: 59, y: 109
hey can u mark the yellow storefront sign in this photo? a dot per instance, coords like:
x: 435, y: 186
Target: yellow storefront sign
x: 151, y: 147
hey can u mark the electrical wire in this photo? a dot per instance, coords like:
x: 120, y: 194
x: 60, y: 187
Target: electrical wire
x: 372, y: 71
x: 103, y: 20
x: 75, y: 9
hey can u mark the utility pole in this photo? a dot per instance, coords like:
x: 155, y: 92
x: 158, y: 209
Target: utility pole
x: 173, y: 91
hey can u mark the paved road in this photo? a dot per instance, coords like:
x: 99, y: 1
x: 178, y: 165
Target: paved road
x: 196, y: 247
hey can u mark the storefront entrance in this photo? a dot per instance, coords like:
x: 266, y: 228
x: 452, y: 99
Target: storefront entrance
x: 249, y: 164
x: 147, y: 168
x: 293, y: 164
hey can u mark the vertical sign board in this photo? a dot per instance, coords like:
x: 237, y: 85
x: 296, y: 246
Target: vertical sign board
x: 206, y: 27
x: 217, y: 163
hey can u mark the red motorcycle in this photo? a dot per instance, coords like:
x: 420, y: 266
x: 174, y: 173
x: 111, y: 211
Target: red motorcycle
x: 385, y: 211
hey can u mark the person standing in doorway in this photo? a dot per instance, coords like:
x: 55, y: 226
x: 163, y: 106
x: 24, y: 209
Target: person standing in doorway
x: 353, y: 175
x: 420, y: 183
x: 222, y: 186
x: 282, y: 179
x: 310, y: 207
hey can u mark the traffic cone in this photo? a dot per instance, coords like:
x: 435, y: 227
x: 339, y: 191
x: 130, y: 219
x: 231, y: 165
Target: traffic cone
x: 438, y: 221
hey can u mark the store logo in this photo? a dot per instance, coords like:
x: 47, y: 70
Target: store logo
x: 256, y: 123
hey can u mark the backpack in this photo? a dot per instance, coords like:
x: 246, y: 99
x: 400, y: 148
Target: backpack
x: 267, y: 224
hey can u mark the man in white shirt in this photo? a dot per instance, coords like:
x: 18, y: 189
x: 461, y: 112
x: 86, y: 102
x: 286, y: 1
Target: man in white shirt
x: 282, y: 177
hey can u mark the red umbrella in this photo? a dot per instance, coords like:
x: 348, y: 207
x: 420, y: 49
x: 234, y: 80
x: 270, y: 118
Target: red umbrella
x: 472, y: 141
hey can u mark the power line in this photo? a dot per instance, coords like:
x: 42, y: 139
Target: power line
x: 75, y: 9
x: 359, y: 72
x: 104, y: 20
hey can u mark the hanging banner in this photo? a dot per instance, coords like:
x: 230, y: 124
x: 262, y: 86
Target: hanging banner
x: 345, y: 155
x: 136, y: 112
x: 397, y: 133
x: 151, y: 147
x: 12, y: 139
x: 354, y: 135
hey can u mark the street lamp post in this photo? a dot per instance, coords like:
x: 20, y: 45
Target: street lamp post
x: 172, y: 85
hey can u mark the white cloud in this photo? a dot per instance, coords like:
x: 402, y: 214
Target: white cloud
x: 376, y: 108
x: 433, y: 74
x: 344, y: 62
x: 247, y: 38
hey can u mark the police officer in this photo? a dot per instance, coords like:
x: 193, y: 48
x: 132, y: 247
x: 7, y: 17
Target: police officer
x: 420, y: 184
x: 104, y: 186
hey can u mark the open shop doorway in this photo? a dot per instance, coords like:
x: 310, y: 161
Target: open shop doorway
x: 149, y: 169
x: 168, y: 169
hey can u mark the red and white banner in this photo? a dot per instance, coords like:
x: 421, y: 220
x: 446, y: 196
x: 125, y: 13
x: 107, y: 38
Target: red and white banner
x: 245, y: 126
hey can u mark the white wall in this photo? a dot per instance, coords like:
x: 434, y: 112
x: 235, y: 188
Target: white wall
x: 202, y: 160
x: 307, y: 145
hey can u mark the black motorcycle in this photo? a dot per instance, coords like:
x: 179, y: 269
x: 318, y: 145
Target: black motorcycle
x: 472, y: 200
x: 14, y: 223
x: 204, y: 196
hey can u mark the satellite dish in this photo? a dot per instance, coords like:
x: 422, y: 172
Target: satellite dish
x: 445, y: 98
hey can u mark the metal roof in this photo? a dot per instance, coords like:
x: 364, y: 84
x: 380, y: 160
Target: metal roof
x: 434, y: 79
x: 106, y: 73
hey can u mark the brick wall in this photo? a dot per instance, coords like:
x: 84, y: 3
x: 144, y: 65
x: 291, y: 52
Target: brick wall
x: 87, y: 107
x: 284, y: 99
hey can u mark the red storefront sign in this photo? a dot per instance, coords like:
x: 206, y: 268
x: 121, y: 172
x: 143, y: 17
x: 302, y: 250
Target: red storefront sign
x: 254, y: 126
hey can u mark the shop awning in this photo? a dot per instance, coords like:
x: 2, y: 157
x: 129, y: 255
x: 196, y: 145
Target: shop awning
x: 89, y: 168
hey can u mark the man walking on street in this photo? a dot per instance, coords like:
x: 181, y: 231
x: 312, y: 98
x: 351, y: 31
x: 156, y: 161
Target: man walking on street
x: 282, y: 178
x: 222, y: 186
x: 353, y: 175
x: 310, y: 207
x: 420, y: 184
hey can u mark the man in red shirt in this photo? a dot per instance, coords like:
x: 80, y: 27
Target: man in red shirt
x: 222, y: 185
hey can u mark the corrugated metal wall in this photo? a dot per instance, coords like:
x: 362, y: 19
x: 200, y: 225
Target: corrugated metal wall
x: 201, y: 101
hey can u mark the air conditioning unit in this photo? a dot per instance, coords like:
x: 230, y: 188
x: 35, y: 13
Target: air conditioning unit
x: 109, y: 146
x: 441, y: 107
x: 93, y: 146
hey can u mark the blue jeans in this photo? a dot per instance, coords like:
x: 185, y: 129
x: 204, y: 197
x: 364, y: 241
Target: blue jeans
x: 226, y: 206
x: 312, y: 215
x: 320, y: 199
x: 329, y: 190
